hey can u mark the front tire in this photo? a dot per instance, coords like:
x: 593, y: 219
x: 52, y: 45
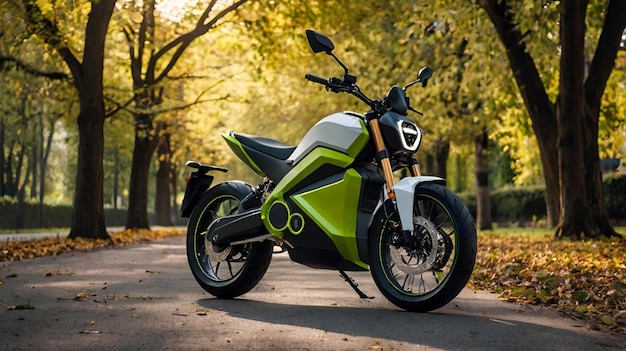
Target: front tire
x: 427, y: 270
x: 234, y: 270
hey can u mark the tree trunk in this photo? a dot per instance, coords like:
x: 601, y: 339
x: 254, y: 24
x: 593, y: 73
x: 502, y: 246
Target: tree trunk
x: 2, y: 190
x: 116, y: 178
x: 576, y: 167
x: 174, y: 187
x: 541, y: 110
x: 146, y: 141
x: 596, y: 220
x: 442, y: 150
x: 429, y: 164
x: 163, y: 193
x: 574, y: 220
x: 483, y: 193
x: 601, y: 66
x: 88, y: 212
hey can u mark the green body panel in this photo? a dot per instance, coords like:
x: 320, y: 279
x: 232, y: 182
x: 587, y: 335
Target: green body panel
x: 304, y: 168
x: 235, y: 145
x: 334, y: 208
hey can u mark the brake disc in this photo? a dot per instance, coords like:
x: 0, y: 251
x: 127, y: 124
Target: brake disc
x: 212, y: 252
x: 403, y: 259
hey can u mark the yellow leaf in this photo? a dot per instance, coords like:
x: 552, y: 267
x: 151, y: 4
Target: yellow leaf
x: 608, y: 320
x: 375, y: 346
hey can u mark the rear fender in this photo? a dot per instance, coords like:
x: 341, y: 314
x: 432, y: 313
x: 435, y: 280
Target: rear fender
x: 197, y: 184
x: 405, y: 194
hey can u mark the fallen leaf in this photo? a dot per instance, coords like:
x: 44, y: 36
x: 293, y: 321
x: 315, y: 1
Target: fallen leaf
x: 80, y: 295
x: 375, y: 346
x: 608, y: 320
x: 90, y: 332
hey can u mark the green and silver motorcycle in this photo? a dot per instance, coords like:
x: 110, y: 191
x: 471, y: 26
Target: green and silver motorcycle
x: 333, y: 202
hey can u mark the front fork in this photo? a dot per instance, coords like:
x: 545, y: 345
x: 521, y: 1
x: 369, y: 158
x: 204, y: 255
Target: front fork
x: 402, y: 193
x: 382, y: 156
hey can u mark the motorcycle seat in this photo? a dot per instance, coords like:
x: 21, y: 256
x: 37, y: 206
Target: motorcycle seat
x: 265, y: 145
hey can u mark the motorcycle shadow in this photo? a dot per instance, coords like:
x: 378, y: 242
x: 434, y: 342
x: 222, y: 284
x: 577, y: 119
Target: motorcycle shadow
x: 466, y: 323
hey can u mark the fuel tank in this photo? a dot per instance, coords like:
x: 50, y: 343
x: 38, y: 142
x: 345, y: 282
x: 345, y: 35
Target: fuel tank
x: 343, y: 131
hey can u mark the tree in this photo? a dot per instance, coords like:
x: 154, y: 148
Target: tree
x: 567, y: 129
x: 148, y: 87
x: 87, y: 75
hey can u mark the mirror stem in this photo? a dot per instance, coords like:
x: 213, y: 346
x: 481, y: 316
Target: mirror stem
x: 340, y: 63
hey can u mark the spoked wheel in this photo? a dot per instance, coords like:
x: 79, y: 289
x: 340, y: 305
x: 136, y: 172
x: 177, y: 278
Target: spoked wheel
x: 427, y: 269
x: 224, y: 272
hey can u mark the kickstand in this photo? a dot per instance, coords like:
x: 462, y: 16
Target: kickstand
x: 354, y: 285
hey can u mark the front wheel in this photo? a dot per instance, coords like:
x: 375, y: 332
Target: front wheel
x: 425, y: 270
x: 224, y: 272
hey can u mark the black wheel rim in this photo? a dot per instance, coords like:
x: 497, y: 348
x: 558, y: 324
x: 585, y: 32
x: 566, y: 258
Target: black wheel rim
x: 220, y: 268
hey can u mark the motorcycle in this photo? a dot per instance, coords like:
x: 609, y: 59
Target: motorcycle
x: 333, y: 202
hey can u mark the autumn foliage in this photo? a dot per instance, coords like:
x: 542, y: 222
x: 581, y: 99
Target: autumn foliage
x: 583, y: 279
x: 22, y: 250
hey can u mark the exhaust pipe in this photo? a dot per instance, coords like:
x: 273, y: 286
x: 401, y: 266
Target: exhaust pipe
x: 235, y: 228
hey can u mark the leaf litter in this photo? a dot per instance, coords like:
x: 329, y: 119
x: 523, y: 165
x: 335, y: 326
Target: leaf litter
x: 21, y: 250
x: 584, y: 280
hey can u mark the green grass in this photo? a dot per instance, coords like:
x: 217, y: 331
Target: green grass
x: 532, y: 232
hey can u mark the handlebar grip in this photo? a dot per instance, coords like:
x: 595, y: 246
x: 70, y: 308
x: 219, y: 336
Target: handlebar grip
x: 316, y: 79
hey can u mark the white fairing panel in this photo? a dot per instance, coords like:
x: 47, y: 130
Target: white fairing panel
x: 405, y: 193
x: 337, y: 132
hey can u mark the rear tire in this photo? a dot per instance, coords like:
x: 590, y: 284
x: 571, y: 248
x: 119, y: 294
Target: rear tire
x: 429, y: 269
x: 234, y: 270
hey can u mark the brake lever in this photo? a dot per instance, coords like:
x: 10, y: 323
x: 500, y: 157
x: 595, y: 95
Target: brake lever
x: 416, y: 111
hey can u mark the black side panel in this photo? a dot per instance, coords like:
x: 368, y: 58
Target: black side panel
x: 315, y: 249
x: 371, y: 195
x: 324, y: 175
x: 273, y: 167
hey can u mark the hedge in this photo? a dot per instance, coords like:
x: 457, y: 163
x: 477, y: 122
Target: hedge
x: 522, y: 205
x: 58, y: 216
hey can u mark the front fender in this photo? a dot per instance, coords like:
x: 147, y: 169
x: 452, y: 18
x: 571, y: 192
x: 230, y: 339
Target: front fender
x: 405, y: 193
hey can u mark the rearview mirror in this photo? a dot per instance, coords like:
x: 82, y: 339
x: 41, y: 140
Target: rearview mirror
x: 424, y: 75
x: 319, y: 42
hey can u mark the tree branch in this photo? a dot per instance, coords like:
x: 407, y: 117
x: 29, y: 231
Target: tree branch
x: 50, y: 34
x: 604, y: 58
x: 6, y: 62
x: 183, y: 41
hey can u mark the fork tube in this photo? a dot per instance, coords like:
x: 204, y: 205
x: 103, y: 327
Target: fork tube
x: 382, y: 156
x: 415, y: 167
x: 416, y: 171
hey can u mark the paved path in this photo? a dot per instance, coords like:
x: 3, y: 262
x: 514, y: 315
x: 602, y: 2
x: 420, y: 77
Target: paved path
x: 143, y: 297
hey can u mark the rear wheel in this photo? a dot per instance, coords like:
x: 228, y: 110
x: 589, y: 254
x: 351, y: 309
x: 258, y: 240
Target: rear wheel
x: 427, y: 269
x: 225, y: 272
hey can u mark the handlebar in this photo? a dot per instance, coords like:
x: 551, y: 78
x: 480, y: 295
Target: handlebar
x: 316, y: 79
x: 340, y: 85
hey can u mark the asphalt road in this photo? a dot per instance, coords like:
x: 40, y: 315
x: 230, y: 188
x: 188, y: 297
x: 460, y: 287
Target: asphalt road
x: 143, y: 297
